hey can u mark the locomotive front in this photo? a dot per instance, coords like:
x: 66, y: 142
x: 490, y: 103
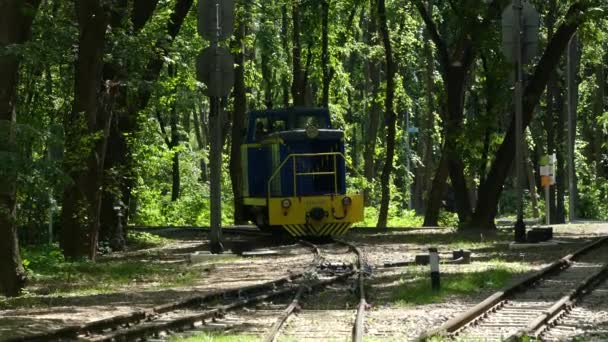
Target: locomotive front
x: 295, y: 174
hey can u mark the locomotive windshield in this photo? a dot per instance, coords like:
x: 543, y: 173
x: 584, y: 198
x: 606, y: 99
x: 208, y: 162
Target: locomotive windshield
x: 266, y: 122
x: 305, y: 121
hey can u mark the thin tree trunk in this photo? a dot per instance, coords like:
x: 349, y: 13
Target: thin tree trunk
x: 597, y: 132
x: 176, y: 177
x: 529, y: 166
x: 201, y: 139
x: 298, y: 89
x: 431, y: 216
x: 285, y: 43
x: 325, y: 51
x: 15, y: 27
x: 82, y: 197
x: 560, y: 178
x: 238, y: 120
x: 425, y: 170
x: 128, y: 125
x: 112, y: 225
x: 390, y: 117
x: 373, y: 123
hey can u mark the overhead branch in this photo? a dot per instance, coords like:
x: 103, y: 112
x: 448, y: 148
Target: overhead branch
x: 444, y: 59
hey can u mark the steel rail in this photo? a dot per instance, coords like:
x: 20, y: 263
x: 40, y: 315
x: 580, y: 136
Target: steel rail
x: 276, y: 327
x: 495, y: 299
x: 560, y: 305
x: 359, y: 326
x: 73, y: 331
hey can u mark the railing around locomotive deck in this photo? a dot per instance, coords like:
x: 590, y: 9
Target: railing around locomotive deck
x: 296, y: 174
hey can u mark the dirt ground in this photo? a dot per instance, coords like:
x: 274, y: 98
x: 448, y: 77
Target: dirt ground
x: 401, y: 306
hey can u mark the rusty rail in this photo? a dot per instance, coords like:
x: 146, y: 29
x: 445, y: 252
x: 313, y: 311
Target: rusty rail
x: 495, y: 299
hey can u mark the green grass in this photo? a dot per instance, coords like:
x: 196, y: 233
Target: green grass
x: 141, y: 240
x: 50, y: 273
x: 403, y: 218
x: 416, y: 289
x: 210, y: 337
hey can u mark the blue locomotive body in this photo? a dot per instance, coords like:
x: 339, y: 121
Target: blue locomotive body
x: 295, y: 173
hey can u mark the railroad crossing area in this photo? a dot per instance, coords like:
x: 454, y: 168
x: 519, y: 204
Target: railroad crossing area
x: 370, y: 285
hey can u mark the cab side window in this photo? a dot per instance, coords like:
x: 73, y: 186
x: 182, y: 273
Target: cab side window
x: 261, y: 129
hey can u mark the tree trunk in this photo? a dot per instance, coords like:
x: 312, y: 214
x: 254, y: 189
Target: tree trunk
x: 573, y: 67
x: 560, y: 178
x: 425, y: 171
x: 373, y: 123
x: 176, y: 177
x: 285, y: 43
x: 431, y: 217
x: 298, y: 91
x: 597, y: 133
x: 201, y: 140
x: 112, y: 225
x: 490, y: 191
x: 390, y: 117
x: 529, y: 166
x: 325, y: 52
x: 238, y: 120
x: 127, y: 124
x: 82, y: 197
x: 15, y: 25
x: 549, y: 122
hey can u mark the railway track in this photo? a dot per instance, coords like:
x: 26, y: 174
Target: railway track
x: 315, y: 324
x: 195, y: 312
x: 536, y: 306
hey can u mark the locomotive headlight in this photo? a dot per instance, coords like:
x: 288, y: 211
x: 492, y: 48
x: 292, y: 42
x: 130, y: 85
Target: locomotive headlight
x: 286, y: 204
x: 347, y: 201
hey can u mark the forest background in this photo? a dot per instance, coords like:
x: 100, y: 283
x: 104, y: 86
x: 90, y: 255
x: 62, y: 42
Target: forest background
x: 104, y: 125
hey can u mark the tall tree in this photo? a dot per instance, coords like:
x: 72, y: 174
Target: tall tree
x: 372, y: 89
x: 127, y: 124
x: 325, y: 5
x: 117, y: 172
x: 16, y: 17
x: 239, y: 112
x: 424, y: 170
x: 491, y: 189
x: 298, y: 85
x: 455, y: 67
x: 87, y: 129
x: 390, y: 117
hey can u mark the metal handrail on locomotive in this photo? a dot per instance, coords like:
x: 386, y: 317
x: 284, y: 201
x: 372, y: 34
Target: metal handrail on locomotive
x: 294, y: 174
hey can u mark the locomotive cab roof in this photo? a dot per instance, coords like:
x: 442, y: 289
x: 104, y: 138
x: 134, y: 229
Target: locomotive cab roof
x: 290, y: 124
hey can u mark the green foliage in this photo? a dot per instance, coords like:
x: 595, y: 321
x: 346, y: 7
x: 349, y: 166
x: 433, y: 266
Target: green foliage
x: 396, y: 218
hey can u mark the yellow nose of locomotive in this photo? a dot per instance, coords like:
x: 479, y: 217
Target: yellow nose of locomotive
x: 316, y: 215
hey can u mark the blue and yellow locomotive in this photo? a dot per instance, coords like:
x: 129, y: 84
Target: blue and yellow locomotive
x: 295, y: 174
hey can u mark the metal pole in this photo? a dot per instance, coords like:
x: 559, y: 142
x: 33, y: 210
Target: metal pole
x: 51, y: 203
x: 572, y: 46
x: 216, y: 246
x: 408, y: 179
x: 51, y: 207
x: 216, y: 178
x: 547, y: 206
x: 520, y: 227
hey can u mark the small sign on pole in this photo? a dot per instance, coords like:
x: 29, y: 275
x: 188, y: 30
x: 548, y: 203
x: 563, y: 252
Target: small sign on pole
x: 215, y: 19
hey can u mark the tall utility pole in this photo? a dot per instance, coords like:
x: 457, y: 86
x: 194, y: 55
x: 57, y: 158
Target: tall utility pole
x: 572, y: 108
x: 520, y: 226
x: 215, y: 68
x: 520, y: 23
